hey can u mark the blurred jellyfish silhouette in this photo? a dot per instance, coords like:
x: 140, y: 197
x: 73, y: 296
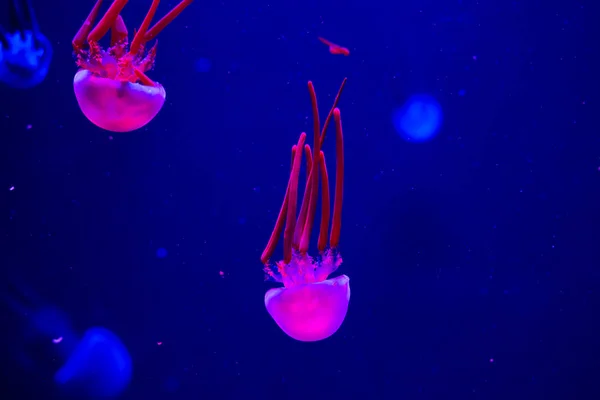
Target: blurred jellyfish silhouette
x: 419, y: 119
x: 202, y: 65
x: 96, y: 365
x: 25, y: 53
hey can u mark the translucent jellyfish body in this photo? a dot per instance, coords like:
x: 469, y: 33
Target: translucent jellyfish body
x: 111, y: 87
x: 95, y: 365
x: 310, y: 306
x: 25, y: 53
x: 99, y: 364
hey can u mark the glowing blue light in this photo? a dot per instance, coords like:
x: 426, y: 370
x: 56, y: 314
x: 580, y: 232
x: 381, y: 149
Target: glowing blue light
x: 25, y: 62
x: 161, y: 252
x: 419, y: 119
x: 100, y: 364
x: 203, y: 65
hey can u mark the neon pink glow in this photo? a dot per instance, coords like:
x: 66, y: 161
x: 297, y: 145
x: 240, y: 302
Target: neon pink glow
x: 117, y: 106
x: 310, y: 307
x: 111, y: 87
x: 310, y: 312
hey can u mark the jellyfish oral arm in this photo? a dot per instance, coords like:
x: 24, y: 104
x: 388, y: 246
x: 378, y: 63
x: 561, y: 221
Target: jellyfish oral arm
x: 118, y: 63
x: 297, y: 232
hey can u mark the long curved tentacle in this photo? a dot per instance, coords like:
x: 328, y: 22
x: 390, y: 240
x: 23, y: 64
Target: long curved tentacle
x: 3, y: 39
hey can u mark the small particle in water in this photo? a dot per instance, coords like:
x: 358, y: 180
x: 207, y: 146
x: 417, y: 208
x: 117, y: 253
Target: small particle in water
x: 28, y: 127
x: 110, y: 138
x: 161, y: 252
x: 462, y: 92
x: 222, y: 274
x: 10, y: 189
x: 475, y: 58
x: 491, y: 360
x: 159, y: 343
x: 57, y: 340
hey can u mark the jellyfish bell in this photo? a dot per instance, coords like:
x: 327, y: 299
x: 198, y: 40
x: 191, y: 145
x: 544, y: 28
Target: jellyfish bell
x: 312, y: 311
x: 117, y: 106
x: 99, y: 365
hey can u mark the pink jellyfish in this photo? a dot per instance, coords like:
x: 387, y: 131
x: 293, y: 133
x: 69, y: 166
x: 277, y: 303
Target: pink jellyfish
x: 111, y: 86
x: 310, y: 307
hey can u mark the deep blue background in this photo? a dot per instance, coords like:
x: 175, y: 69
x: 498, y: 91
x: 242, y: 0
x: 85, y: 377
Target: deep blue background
x: 480, y: 244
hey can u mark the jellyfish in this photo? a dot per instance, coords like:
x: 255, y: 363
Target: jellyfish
x: 111, y: 86
x: 419, y: 119
x: 310, y: 306
x: 96, y: 365
x: 25, y: 53
x: 100, y: 364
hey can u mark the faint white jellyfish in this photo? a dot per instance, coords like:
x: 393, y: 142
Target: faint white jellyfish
x: 419, y: 119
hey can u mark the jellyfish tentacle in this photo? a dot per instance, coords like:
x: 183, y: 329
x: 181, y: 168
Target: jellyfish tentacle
x: 30, y: 15
x: 302, y: 230
x: 166, y: 20
x: 118, y: 32
x: 22, y: 17
x: 304, y: 205
x: 143, y: 77
x: 138, y: 40
x: 274, y: 239
x: 80, y: 37
x: 18, y: 21
x: 316, y: 164
x: 293, y: 156
x: 106, y: 21
x: 314, y: 174
x: 333, y: 107
x: 279, y: 224
x: 148, y: 62
x: 325, y: 205
x: 303, y: 209
x: 3, y: 39
x: 308, y: 155
x: 336, y: 223
x: 290, y: 222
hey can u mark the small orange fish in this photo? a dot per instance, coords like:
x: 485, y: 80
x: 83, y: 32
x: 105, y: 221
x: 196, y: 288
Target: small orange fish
x: 334, y: 48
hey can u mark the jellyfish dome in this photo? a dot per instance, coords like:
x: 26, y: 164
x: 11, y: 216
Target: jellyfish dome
x: 419, y: 119
x: 310, y: 312
x: 115, y: 105
x: 100, y: 365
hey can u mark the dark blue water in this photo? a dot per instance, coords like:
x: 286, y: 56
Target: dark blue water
x: 470, y: 222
